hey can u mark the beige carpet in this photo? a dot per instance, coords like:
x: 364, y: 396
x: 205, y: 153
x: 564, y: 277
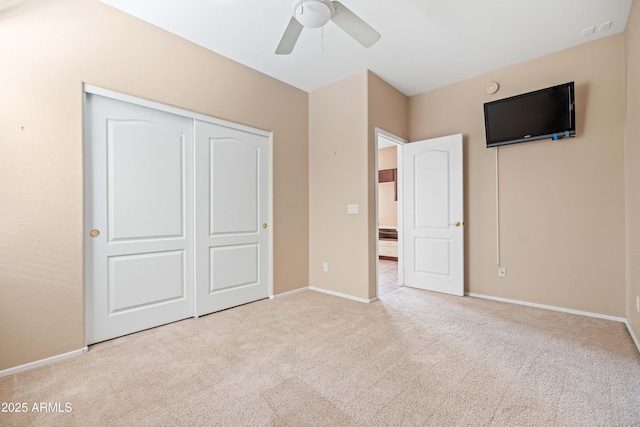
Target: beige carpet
x: 414, y: 359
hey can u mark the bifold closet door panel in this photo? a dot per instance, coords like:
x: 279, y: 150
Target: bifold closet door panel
x: 232, y: 217
x: 139, y: 226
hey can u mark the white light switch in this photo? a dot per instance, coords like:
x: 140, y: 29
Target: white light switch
x: 353, y: 209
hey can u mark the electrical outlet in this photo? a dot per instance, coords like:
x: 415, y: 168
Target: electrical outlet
x: 638, y: 303
x: 502, y: 271
x: 325, y: 266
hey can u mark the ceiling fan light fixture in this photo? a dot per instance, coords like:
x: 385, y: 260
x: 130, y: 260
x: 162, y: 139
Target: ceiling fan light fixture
x: 313, y: 13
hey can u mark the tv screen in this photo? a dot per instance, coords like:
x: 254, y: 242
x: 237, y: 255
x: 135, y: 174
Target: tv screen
x: 545, y: 113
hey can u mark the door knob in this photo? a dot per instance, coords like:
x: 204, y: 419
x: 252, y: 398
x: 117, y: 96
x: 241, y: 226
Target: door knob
x: 457, y: 224
x: 94, y: 233
x: 264, y: 225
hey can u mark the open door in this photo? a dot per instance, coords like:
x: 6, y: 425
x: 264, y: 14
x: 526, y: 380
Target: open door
x: 433, y: 215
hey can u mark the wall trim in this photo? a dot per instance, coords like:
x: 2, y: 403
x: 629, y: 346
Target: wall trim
x: 633, y: 335
x: 38, y: 363
x: 341, y: 295
x: 289, y: 293
x: 548, y: 307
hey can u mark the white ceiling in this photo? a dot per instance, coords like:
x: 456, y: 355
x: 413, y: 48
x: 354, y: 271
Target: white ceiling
x: 425, y: 44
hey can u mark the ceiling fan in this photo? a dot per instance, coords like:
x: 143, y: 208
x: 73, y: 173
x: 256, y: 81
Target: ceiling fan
x: 315, y: 14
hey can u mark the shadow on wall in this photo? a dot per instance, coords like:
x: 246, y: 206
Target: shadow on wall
x: 582, y: 94
x: 7, y: 7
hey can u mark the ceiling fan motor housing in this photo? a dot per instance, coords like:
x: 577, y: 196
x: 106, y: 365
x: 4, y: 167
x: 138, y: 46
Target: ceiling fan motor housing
x: 313, y: 13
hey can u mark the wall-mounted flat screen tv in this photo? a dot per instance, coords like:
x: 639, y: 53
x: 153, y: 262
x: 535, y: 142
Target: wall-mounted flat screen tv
x: 542, y: 114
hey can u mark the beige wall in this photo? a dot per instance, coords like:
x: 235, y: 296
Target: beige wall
x: 47, y: 50
x: 338, y: 177
x: 342, y: 147
x: 387, y: 158
x: 632, y: 46
x: 387, y: 203
x: 561, y: 203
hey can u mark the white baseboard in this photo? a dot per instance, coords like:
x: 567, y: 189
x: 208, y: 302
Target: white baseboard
x: 633, y: 336
x: 286, y: 294
x: 549, y: 307
x: 341, y: 295
x: 42, y: 362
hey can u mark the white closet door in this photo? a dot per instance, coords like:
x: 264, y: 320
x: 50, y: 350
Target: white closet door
x: 232, y: 217
x: 139, y: 198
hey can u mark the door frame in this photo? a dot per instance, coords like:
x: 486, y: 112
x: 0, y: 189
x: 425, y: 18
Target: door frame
x: 399, y: 142
x: 88, y: 185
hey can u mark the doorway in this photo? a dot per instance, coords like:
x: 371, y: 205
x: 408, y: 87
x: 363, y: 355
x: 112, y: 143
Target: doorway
x: 389, y: 213
x: 430, y: 223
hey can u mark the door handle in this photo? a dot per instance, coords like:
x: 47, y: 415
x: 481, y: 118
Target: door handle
x: 457, y: 224
x: 264, y: 225
x: 94, y: 233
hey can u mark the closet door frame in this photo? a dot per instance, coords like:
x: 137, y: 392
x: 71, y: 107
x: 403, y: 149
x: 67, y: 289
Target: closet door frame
x: 87, y: 213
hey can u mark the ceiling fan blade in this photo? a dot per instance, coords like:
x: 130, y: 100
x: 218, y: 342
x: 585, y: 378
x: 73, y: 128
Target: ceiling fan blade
x: 354, y: 26
x: 290, y: 37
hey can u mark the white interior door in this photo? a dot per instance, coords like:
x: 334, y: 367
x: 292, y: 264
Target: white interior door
x: 232, y: 217
x: 433, y: 209
x: 138, y: 217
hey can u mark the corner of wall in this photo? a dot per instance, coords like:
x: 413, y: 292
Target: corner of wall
x: 337, y: 178
x: 632, y: 169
